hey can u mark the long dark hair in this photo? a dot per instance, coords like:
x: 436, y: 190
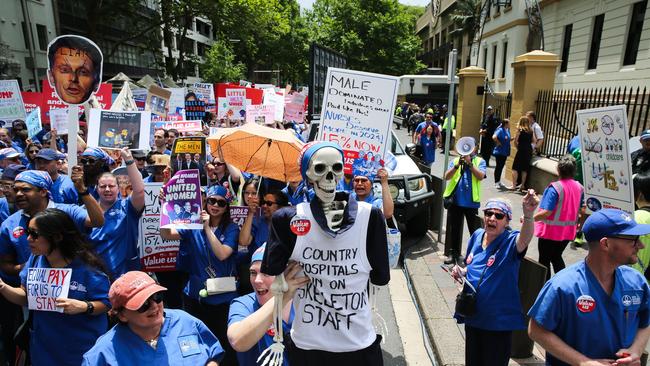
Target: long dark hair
x: 256, y: 183
x: 60, y: 231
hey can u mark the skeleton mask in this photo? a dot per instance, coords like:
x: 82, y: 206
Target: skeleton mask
x: 324, y: 171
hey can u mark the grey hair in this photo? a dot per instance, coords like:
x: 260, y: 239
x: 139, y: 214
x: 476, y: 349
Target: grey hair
x: 566, y: 166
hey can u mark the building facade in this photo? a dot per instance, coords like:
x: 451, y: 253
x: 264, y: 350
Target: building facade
x: 26, y: 28
x: 198, y: 40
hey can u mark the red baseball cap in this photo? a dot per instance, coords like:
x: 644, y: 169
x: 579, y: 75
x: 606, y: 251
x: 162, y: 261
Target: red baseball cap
x: 132, y: 289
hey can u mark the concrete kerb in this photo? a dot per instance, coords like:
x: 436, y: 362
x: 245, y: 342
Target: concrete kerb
x: 444, y: 335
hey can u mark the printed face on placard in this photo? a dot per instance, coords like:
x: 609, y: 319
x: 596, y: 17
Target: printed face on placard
x: 75, y: 68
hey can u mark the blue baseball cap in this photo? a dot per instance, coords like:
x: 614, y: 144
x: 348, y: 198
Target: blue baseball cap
x: 612, y: 222
x: 645, y: 135
x: 12, y: 171
x: 259, y: 254
x: 8, y: 153
x: 49, y: 154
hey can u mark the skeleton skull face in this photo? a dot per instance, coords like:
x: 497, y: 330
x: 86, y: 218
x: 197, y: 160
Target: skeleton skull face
x: 324, y: 171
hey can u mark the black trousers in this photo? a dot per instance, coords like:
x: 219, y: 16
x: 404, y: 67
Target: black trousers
x: 369, y: 356
x: 550, y: 252
x: 455, y: 215
x: 215, y: 318
x: 487, y: 145
x: 501, y: 162
x: 487, y: 347
x: 11, y: 317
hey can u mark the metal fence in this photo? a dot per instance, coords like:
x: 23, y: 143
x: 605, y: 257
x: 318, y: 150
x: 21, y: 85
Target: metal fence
x: 556, y: 112
x: 501, y: 104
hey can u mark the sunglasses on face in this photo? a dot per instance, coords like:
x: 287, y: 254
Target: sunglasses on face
x: 33, y: 151
x: 157, y: 298
x: 634, y: 239
x: 218, y: 202
x: 270, y: 203
x: 33, y: 233
x: 87, y: 161
x: 497, y: 215
x: 218, y: 163
x: 141, y: 159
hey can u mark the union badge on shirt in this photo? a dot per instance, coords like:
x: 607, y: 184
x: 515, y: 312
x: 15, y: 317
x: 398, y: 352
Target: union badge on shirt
x: 189, y: 345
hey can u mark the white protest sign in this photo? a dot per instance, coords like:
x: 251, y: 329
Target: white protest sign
x: 33, y: 122
x: 177, y: 103
x: 11, y: 102
x: 156, y: 254
x: 45, y: 285
x: 357, y: 114
x: 261, y: 114
x: 235, y: 104
x: 606, y: 167
x: 271, y: 97
x: 59, y: 120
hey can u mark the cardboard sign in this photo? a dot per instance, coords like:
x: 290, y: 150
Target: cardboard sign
x: 271, y: 97
x: 11, y: 102
x: 78, y: 56
x: 260, y: 114
x: 45, y: 285
x: 195, y: 110
x: 158, y: 102
x: 176, y: 104
x: 182, y: 207
x: 32, y: 100
x: 185, y: 126
x: 234, y: 107
x: 189, y: 152
x: 357, y: 114
x: 33, y: 122
x: 156, y: 254
x: 606, y: 165
x: 59, y: 121
x: 115, y: 130
x: 205, y: 92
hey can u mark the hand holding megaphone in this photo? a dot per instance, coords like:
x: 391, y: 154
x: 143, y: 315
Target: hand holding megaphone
x: 465, y: 146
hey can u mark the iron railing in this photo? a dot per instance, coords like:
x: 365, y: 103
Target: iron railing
x: 556, y: 112
x: 501, y: 104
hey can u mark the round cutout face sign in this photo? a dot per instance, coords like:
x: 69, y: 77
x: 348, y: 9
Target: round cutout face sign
x: 74, y: 68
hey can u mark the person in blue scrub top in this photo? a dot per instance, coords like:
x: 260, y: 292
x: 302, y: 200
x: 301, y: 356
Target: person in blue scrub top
x: 116, y: 242
x: 149, y: 334
x: 428, y: 144
x: 492, y: 268
x: 250, y: 322
x: 597, y: 311
x: 364, y: 192
x: 346, y: 183
x: 501, y: 151
x: 211, y: 255
x: 62, y: 338
x: 296, y: 192
x: 63, y: 190
x: 255, y: 229
x: 95, y: 162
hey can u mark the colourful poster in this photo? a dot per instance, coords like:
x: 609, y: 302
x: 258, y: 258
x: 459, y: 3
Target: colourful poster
x: 182, y: 207
x: 45, y: 285
x: 11, y: 102
x: 260, y: 114
x: 156, y: 254
x: 51, y: 101
x: 158, y: 102
x: 176, y: 104
x: 294, y: 108
x: 357, y: 114
x: 115, y: 130
x: 271, y: 97
x: 185, y: 126
x: 33, y: 122
x: 59, y: 120
x: 140, y: 98
x: 606, y: 166
x: 234, y: 107
x: 32, y: 100
x: 205, y: 93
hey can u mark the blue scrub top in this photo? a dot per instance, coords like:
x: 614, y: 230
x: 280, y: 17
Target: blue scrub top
x: 13, y: 238
x: 63, y: 190
x: 4, y: 209
x: 259, y: 232
x: 550, y: 198
x: 575, y: 307
x: 498, y: 305
x: 342, y: 186
x: 62, y: 339
x: 297, y: 196
x: 200, y: 256
x: 117, y: 241
x: 503, y: 135
x: 240, y: 309
x: 375, y: 202
x: 463, y: 194
x: 184, y: 340
x: 428, y: 148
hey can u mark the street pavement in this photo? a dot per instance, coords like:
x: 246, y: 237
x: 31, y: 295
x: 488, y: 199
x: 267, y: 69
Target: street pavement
x: 435, y: 290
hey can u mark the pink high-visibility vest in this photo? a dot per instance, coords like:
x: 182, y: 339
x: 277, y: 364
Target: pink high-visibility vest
x: 562, y: 223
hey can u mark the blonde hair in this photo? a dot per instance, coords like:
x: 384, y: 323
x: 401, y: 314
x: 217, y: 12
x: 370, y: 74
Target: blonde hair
x: 523, y: 124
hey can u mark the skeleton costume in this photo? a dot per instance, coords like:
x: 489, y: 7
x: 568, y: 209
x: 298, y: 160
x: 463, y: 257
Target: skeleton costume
x: 341, y: 245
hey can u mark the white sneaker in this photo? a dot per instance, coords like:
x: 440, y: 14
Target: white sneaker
x: 499, y: 186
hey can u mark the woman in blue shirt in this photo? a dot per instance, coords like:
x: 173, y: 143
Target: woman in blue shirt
x: 56, y: 242
x: 211, y: 257
x: 492, y: 268
x: 501, y: 150
x: 428, y: 143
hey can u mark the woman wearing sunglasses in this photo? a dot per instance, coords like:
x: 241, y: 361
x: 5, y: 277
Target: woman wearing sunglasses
x: 55, y: 242
x: 224, y: 174
x: 31, y: 151
x: 492, y: 271
x: 148, y: 333
x: 208, y: 255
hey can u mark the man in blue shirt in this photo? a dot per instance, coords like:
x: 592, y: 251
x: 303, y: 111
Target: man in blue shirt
x: 598, y: 309
x: 63, y: 190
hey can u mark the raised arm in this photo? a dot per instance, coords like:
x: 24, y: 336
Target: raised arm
x: 137, y: 184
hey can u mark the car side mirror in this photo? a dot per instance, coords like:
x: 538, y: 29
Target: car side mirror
x: 410, y: 148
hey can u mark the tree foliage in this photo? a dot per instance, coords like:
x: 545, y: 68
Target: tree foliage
x: 467, y: 18
x: 375, y: 35
x: 220, y: 65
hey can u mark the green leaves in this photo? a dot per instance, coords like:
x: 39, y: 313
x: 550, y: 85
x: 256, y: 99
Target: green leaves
x: 220, y: 65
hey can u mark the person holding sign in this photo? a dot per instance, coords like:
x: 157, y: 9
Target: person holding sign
x: 65, y: 287
x: 116, y: 242
x: 147, y: 333
x: 211, y: 265
x: 363, y: 192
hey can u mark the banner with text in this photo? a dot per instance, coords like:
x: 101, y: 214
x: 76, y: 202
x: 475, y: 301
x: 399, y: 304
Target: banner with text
x: 156, y: 254
x: 33, y: 122
x: 261, y: 114
x: 357, y: 114
x: 234, y: 106
x: 182, y: 207
x: 205, y: 93
x: 606, y: 165
x: 115, y: 130
x: 45, y: 285
x: 11, y: 102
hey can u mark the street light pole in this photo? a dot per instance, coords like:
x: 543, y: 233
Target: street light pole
x: 453, y: 57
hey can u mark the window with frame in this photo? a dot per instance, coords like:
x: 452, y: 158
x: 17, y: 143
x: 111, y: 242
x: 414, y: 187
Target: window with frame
x: 41, y: 30
x: 596, y: 36
x: 25, y: 34
x: 503, y: 64
x: 484, y: 58
x: 634, y: 33
x: 494, y: 62
x: 566, y: 46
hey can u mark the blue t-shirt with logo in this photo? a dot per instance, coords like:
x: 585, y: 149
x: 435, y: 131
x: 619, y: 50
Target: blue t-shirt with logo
x: 575, y: 307
x: 503, y: 135
x: 63, y: 190
x: 62, y: 339
x: 199, y: 256
x: 183, y: 340
x: 463, y: 194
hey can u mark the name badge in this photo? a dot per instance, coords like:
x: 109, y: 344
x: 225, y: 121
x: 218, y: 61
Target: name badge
x: 189, y: 345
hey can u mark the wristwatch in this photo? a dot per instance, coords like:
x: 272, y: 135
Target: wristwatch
x: 90, y: 308
x: 83, y: 193
x: 129, y: 162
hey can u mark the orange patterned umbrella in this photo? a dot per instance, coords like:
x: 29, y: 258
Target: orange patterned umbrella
x: 260, y: 150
